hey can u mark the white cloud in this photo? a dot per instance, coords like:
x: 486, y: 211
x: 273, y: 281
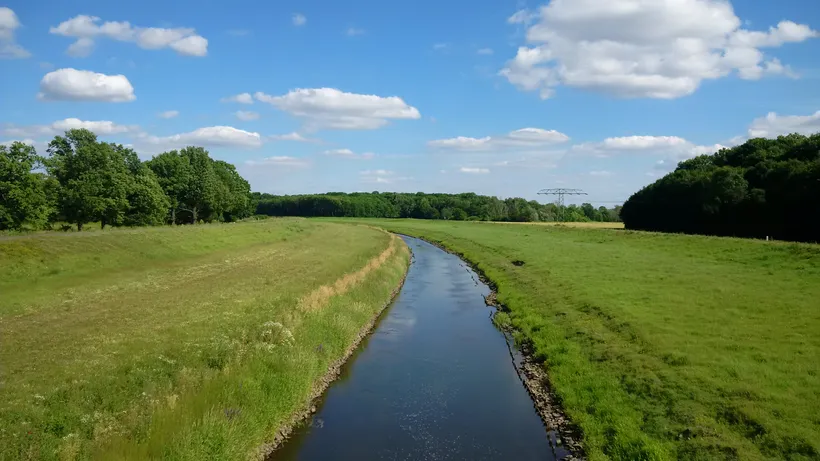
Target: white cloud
x: 600, y: 173
x: 352, y: 31
x: 101, y: 128
x: 773, y: 125
x: 440, y: 46
x: 643, y: 142
x: 213, y: 136
x: 376, y: 172
x: 86, y: 29
x: 470, y: 170
x: 83, y: 85
x: 81, y: 48
x: 246, y: 115
x: 669, y: 149
x: 524, y: 16
x: 349, y: 154
x: 299, y: 19
x: 292, y: 137
x: 334, y: 109
x: 168, y: 114
x: 485, y: 51
x: 382, y: 177
x: 525, y: 138
x: 9, y: 49
x: 242, y: 98
x: 282, y: 161
x: 643, y: 49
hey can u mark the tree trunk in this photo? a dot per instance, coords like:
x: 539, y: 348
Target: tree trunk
x: 102, y: 223
x: 194, y: 213
x: 79, y: 227
x: 173, y: 216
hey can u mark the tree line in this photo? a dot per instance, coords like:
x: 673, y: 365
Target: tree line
x: 83, y: 180
x: 467, y: 206
x: 764, y: 187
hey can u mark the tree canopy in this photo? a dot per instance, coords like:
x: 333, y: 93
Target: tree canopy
x: 764, y: 187
x: 23, y: 193
x: 87, y: 181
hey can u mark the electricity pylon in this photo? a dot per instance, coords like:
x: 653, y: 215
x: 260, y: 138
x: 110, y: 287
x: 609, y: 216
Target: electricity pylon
x: 561, y: 192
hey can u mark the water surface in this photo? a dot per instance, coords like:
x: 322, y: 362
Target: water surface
x: 435, y: 381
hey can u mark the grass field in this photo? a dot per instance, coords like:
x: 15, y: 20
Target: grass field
x: 662, y: 346
x: 193, y: 342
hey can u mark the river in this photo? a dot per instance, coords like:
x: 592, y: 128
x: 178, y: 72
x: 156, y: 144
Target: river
x: 435, y: 381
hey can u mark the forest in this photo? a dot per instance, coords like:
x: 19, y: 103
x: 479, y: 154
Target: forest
x: 459, y: 207
x: 86, y: 181
x: 762, y: 188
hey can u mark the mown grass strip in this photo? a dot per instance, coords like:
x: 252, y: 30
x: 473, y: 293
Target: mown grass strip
x: 180, y: 343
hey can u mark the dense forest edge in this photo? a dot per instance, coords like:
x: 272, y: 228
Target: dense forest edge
x: 763, y: 188
x: 458, y: 207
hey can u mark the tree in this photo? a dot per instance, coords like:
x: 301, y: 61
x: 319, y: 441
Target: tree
x: 173, y: 172
x: 147, y: 202
x: 23, y: 197
x: 234, y: 195
x: 93, y: 177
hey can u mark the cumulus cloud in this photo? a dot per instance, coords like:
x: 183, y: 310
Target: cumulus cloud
x: 349, y: 154
x: 246, y: 115
x: 525, y: 138
x: 600, y: 173
x: 242, y: 98
x: 648, y: 49
x: 299, y: 19
x: 213, y: 136
x: 471, y: 170
x: 524, y: 16
x: 329, y: 108
x: 168, y: 114
x: 671, y: 149
x: 353, y: 31
x: 773, y: 125
x: 292, y: 137
x: 86, y: 29
x: 83, y: 85
x: 101, y: 128
x: 9, y: 49
x: 382, y: 177
x: 281, y: 161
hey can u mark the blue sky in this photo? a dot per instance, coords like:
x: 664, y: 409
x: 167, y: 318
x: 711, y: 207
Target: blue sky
x: 501, y: 97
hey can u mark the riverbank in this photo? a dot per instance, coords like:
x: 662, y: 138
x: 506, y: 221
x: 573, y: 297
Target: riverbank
x: 433, y: 381
x: 196, y: 342
x: 660, y: 347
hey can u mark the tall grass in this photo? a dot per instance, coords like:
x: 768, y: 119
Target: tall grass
x: 662, y: 346
x: 177, y: 343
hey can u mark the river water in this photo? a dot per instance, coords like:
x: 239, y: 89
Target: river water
x: 435, y: 381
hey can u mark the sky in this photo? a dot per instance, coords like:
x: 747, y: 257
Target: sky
x: 498, y: 97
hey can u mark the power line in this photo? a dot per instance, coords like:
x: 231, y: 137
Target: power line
x: 560, y: 192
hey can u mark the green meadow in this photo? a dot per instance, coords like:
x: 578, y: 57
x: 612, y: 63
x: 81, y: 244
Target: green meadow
x: 194, y: 342
x: 661, y: 346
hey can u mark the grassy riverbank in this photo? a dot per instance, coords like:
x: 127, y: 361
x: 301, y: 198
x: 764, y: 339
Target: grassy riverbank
x: 660, y: 346
x: 178, y: 343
